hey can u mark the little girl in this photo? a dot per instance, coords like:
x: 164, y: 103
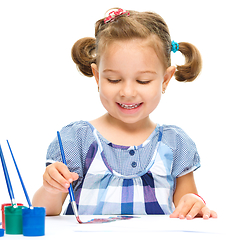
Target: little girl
x: 122, y: 162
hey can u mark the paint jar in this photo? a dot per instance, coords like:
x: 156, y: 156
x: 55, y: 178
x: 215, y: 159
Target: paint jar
x: 34, y: 221
x: 13, y: 220
x: 3, y: 212
x: 1, y: 232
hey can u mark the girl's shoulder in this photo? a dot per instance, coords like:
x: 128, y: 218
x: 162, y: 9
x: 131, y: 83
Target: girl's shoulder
x: 176, y: 136
x: 185, y: 154
x: 76, y: 138
x: 172, y: 129
x: 76, y: 125
x: 74, y: 135
x: 77, y: 129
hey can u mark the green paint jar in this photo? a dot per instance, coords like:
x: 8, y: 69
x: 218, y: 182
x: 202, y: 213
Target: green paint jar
x: 13, y: 219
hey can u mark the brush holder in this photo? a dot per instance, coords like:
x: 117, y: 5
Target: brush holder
x: 13, y: 220
x: 3, y: 212
x: 34, y: 221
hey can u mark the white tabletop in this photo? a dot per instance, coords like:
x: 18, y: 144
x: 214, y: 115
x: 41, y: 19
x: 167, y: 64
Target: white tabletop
x: 66, y: 227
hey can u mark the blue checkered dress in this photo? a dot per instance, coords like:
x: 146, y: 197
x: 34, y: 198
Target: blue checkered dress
x: 125, y: 180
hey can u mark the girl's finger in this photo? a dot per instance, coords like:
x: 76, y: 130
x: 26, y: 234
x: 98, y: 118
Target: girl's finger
x: 207, y: 213
x: 196, y: 208
x: 51, y: 185
x: 177, y: 210
x: 185, y: 210
x: 57, y: 174
x: 213, y: 214
x: 64, y: 171
x: 66, y: 175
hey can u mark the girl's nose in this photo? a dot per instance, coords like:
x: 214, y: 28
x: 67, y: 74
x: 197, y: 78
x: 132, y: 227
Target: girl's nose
x: 128, y: 90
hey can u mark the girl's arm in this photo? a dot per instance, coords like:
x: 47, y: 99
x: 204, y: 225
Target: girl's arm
x: 56, y: 181
x: 187, y: 204
x: 52, y: 202
x: 184, y: 185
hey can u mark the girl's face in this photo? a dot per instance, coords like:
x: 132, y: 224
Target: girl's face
x: 131, y: 79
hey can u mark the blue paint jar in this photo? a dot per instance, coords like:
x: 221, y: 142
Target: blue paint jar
x: 34, y: 221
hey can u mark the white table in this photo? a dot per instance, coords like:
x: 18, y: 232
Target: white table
x: 149, y: 227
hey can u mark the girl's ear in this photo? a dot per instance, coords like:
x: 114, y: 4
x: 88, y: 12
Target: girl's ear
x: 95, y: 72
x: 167, y: 77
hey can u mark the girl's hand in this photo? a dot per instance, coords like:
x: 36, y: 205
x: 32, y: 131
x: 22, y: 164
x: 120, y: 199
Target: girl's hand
x: 57, y: 178
x: 191, y: 206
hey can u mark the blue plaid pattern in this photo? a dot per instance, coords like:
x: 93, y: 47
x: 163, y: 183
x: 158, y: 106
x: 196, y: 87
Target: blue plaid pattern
x: 125, y: 180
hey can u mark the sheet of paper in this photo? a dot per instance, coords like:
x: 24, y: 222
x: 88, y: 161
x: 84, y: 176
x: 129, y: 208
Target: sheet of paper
x: 66, y: 227
x: 143, y: 225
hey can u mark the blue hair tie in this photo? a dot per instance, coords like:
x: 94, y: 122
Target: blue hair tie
x: 174, y: 46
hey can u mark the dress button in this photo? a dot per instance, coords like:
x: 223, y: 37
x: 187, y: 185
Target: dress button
x: 133, y: 164
x: 131, y: 152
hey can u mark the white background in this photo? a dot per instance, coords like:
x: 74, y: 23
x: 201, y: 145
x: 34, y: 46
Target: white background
x: 41, y: 90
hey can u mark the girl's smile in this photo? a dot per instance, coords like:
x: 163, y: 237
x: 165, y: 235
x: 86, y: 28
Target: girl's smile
x: 129, y: 108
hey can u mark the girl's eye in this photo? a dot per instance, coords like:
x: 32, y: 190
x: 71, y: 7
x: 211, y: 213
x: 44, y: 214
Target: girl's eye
x: 114, y: 81
x: 143, y: 82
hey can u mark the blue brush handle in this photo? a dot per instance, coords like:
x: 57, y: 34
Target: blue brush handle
x: 7, y: 179
x: 21, y: 180
x: 70, y: 189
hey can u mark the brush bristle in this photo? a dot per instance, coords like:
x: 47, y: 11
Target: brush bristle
x: 78, y: 219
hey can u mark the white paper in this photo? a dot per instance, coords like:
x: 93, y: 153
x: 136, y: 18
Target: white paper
x: 148, y: 227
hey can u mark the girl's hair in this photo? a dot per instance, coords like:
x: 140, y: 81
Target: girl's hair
x: 139, y: 25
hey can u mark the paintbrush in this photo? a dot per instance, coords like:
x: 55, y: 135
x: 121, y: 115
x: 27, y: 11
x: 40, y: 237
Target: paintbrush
x: 7, y: 179
x: 70, y: 189
x: 21, y: 180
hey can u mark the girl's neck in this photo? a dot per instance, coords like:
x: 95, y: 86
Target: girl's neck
x: 121, y: 133
x: 144, y: 124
